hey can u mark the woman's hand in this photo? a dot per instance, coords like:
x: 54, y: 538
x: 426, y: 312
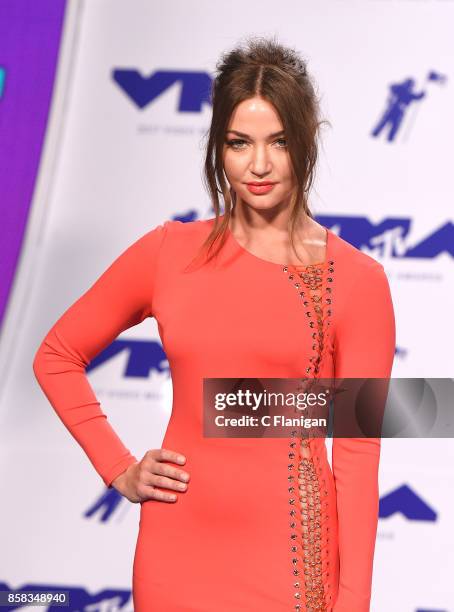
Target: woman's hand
x: 139, y: 481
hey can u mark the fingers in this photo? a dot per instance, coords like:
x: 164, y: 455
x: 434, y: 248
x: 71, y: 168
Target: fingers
x: 164, y: 482
x: 156, y: 464
x: 150, y: 492
x: 163, y: 454
x: 164, y: 469
x: 155, y: 472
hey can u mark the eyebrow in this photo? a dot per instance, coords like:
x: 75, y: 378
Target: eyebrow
x: 274, y: 135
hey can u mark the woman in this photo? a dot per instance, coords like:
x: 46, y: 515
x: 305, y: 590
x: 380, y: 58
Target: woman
x: 240, y: 523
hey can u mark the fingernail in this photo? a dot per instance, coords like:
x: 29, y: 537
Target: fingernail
x: 181, y: 459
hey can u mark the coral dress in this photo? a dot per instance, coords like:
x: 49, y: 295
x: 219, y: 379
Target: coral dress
x: 265, y: 523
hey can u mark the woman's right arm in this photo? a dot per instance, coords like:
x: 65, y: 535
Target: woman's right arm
x: 120, y: 298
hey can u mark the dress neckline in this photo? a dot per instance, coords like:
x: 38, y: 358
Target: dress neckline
x: 286, y: 265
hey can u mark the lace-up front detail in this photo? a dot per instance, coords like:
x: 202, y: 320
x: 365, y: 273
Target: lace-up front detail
x: 314, y: 284
x: 308, y: 500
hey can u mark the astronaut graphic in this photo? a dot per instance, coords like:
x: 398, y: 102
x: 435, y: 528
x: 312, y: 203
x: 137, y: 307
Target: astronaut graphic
x: 401, y: 95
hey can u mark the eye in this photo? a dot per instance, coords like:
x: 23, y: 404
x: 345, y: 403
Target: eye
x: 234, y: 144
x: 282, y: 140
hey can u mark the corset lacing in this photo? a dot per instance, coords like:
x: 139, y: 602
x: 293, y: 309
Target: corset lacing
x: 309, y: 535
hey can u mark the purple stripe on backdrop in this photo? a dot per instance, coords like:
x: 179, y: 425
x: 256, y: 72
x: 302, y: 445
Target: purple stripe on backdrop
x: 30, y: 33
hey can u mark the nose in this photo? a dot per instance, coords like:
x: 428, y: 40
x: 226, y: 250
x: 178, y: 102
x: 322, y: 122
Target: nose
x: 260, y: 163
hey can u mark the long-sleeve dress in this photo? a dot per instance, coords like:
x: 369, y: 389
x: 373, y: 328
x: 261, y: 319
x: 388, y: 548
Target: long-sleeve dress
x: 265, y: 523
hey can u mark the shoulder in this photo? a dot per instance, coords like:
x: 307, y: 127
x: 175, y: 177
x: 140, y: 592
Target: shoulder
x: 356, y: 273
x: 172, y: 230
x: 186, y: 229
x: 184, y: 237
x: 176, y: 241
x: 352, y: 260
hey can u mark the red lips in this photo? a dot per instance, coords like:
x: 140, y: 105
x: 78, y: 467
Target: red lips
x: 259, y: 188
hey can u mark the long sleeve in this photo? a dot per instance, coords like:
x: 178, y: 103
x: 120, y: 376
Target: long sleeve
x: 364, y: 347
x: 120, y: 298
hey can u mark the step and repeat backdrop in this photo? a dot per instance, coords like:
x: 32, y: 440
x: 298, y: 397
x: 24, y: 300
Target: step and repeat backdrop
x: 103, y: 113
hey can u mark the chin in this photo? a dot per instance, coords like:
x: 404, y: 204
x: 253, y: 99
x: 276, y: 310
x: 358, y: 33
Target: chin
x: 264, y: 201
x: 260, y: 202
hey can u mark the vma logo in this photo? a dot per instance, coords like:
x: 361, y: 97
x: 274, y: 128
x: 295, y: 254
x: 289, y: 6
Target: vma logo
x: 402, y: 97
x: 405, y: 501
x: 195, y: 87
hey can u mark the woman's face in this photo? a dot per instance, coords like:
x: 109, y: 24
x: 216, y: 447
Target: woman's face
x: 255, y: 150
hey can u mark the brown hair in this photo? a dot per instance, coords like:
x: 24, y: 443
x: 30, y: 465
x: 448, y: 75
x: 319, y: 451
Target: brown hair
x: 278, y: 74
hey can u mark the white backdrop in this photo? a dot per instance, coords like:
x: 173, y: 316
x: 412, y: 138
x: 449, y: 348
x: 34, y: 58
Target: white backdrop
x: 112, y: 170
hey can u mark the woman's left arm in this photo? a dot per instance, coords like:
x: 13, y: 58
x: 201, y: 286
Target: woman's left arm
x: 364, y: 347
